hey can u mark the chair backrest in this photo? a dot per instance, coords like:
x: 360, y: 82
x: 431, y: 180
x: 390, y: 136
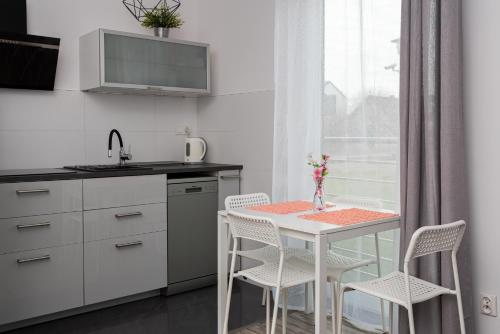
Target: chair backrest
x: 434, y: 239
x: 255, y: 228
x: 241, y: 201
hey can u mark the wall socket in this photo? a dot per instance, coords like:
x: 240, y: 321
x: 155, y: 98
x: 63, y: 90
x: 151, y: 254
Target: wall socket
x: 183, y: 130
x: 488, y: 305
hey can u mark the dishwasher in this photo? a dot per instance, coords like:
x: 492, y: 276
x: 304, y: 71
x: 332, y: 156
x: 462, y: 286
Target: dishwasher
x: 192, y: 233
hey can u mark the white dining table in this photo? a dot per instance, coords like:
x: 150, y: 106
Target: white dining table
x: 317, y: 233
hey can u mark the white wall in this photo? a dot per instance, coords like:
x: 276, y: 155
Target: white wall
x: 237, y: 120
x: 48, y: 129
x: 482, y: 73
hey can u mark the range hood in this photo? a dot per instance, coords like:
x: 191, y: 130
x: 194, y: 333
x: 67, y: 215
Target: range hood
x: 26, y: 61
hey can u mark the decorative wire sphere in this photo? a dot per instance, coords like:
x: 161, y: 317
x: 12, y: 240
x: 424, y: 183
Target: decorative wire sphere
x: 139, y: 10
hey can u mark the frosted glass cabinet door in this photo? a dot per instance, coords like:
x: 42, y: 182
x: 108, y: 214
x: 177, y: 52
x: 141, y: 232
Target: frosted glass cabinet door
x: 150, y: 62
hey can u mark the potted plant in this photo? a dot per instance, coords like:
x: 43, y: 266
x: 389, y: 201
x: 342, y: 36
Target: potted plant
x: 161, y: 19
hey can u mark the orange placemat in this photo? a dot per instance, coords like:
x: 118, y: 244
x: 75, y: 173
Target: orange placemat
x: 284, y: 208
x: 347, y: 216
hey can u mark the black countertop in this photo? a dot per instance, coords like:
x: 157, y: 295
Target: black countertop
x: 53, y: 174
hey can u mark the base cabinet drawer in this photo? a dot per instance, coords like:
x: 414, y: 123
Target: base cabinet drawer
x: 114, y: 192
x: 27, y: 233
x: 120, y: 267
x: 124, y: 221
x: 38, y: 198
x: 40, y: 282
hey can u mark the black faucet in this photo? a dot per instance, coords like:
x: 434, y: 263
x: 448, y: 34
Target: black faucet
x: 123, y: 156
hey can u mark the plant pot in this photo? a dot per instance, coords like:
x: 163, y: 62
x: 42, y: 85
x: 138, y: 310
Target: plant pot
x: 161, y: 32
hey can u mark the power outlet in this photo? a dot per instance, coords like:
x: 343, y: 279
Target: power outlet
x: 183, y: 130
x: 488, y: 305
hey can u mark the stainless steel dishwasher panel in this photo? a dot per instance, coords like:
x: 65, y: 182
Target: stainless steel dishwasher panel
x: 192, y: 235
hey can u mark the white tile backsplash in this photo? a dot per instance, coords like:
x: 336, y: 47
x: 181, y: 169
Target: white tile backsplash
x: 40, y: 110
x: 40, y: 148
x: 122, y: 112
x: 239, y: 130
x: 52, y: 129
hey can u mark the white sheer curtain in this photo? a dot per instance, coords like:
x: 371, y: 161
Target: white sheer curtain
x: 298, y: 102
x: 336, y: 82
x: 298, y: 95
x: 361, y: 124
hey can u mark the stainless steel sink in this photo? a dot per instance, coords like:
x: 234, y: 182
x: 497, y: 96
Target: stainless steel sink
x: 107, y: 168
x: 156, y: 164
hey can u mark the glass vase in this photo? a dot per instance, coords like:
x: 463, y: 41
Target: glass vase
x: 319, y: 196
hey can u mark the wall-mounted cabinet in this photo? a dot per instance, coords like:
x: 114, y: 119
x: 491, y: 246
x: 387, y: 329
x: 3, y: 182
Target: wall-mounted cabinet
x: 113, y: 61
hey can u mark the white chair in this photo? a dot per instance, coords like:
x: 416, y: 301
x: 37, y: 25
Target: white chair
x: 280, y: 274
x: 264, y: 254
x: 405, y: 290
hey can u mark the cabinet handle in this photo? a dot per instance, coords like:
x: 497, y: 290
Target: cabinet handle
x: 26, y: 226
x: 32, y: 191
x: 129, y: 244
x: 229, y: 177
x: 34, y: 259
x: 130, y: 214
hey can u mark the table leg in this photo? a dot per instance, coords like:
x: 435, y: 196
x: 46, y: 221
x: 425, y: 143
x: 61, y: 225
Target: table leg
x: 321, y: 247
x: 222, y: 270
x: 309, y: 289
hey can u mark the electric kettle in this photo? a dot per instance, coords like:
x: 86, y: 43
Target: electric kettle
x: 195, y: 150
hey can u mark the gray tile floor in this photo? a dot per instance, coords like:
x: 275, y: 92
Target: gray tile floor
x: 194, y: 312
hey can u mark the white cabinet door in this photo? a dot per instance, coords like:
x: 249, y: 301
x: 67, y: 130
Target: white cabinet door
x: 40, y: 282
x: 165, y: 64
x: 38, y: 198
x: 115, y: 192
x: 124, y: 221
x: 27, y: 233
x: 117, y: 268
x: 229, y: 184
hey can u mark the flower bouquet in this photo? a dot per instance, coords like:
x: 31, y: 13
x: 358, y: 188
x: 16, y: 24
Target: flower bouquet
x: 320, y: 171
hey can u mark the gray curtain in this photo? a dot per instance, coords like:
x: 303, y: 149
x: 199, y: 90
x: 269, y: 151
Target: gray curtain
x: 433, y: 186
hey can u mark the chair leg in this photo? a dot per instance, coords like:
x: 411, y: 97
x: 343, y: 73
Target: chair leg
x: 340, y: 307
x: 263, y: 303
x: 268, y: 310
x: 275, y: 311
x: 411, y: 319
x: 334, y: 306
x: 461, y: 314
x: 391, y: 317
x: 228, y: 300
x: 379, y: 273
x: 284, y: 310
x: 458, y: 292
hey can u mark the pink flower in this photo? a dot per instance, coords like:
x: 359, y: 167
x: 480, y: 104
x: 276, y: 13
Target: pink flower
x: 318, y: 172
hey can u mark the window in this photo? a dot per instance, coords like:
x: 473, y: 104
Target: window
x: 361, y: 123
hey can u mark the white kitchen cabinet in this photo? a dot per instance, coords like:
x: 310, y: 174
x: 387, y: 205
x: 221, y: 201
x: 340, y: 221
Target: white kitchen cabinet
x: 27, y: 233
x: 120, y: 267
x: 40, y: 282
x: 113, y: 61
x: 124, y: 221
x: 124, y: 191
x: 229, y: 184
x: 38, y: 198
